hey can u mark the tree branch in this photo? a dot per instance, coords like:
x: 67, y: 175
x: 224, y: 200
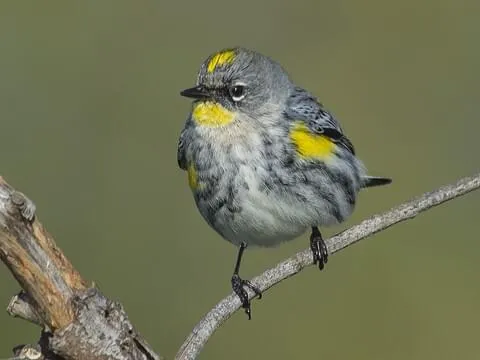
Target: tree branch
x: 79, y: 322
x: 22, y: 306
x: 293, y: 265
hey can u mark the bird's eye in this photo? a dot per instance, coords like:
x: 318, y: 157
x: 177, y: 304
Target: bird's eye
x: 237, y: 92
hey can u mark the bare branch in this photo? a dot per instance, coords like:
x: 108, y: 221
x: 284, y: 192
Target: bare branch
x: 28, y: 352
x: 79, y: 322
x: 293, y: 265
x: 34, y: 259
x: 22, y: 306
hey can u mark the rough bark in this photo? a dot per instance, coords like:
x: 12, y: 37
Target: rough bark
x: 78, y: 322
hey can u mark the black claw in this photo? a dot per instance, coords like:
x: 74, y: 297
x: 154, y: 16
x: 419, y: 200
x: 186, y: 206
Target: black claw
x: 238, y: 286
x: 319, y: 248
x: 256, y: 290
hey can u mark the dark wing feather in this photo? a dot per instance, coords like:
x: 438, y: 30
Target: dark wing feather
x: 302, y: 106
x: 182, y: 161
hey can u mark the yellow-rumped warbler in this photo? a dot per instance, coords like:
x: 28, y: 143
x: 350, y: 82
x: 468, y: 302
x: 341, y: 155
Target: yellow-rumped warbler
x: 265, y: 160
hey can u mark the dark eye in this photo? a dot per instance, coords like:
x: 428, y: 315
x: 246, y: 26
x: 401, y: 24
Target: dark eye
x: 237, y: 92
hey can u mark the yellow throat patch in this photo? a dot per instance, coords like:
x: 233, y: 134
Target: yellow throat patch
x: 209, y: 113
x: 309, y: 145
x: 220, y: 59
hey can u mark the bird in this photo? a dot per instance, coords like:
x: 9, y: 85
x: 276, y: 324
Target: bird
x: 265, y: 160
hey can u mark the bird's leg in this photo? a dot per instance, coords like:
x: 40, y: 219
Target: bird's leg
x: 319, y: 248
x: 239, y: 285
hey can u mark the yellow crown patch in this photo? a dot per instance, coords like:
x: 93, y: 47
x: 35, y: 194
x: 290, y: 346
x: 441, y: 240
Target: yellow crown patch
x: 219, y: 59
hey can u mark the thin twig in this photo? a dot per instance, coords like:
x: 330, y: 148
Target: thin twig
x: 22, y: 306
x: 293, y: 265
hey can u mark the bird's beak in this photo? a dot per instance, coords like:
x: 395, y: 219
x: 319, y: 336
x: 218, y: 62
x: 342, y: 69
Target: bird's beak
x: 197, y: 92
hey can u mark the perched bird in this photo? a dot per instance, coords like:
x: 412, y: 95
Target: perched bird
x: 265, y: 160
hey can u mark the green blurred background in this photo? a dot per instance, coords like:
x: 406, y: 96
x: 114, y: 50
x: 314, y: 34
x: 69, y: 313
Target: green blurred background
x: 90, y: 113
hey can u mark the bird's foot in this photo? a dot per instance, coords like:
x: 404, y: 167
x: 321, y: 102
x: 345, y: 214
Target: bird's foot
x: 319, y: 249
x: 238, y: 286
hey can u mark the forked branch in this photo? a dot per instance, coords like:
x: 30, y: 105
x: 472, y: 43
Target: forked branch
x: 78, y: 322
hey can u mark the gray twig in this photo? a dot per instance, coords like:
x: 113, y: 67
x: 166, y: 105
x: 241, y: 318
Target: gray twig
x: 22, y: 306
x: 293, y: 265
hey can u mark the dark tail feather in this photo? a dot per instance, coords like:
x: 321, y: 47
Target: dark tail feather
x: 369, y: 181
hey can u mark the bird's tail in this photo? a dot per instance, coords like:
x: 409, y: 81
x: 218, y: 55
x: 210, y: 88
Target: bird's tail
x: 369, y: 181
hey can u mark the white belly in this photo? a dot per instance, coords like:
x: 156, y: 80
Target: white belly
x: 267, y: 218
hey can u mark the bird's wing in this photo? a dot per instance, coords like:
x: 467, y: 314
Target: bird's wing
x: 181, y: 159
x: 302, y: 106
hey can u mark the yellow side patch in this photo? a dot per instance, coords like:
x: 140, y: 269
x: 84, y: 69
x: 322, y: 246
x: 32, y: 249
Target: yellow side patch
x: 192, y: 177
x: 219, y: 59
x: 209, y: 113
x: 311, y: 145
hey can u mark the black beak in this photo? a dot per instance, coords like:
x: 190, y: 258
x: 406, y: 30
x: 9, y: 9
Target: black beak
x: 197, y: 92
